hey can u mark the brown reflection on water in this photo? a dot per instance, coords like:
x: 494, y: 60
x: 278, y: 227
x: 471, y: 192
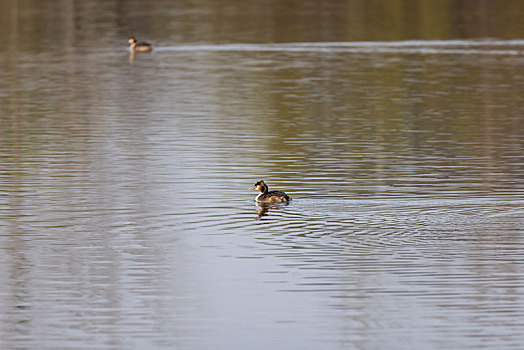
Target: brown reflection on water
x: 386, y: 113
x: 35, y: 26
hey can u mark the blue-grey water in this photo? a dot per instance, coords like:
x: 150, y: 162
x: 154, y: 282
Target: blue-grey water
x: 126, y: 215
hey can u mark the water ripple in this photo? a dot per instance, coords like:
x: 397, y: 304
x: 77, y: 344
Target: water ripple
x: 426, y: 47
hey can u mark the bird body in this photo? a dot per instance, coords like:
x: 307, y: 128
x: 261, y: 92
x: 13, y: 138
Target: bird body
x: 269, y: 197
x: 139, y: 47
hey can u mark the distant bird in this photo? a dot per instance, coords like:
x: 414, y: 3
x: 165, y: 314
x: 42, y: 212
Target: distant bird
x: 139, y: 47
x: 269, y: 197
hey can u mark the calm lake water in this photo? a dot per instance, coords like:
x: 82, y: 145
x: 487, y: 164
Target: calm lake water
x: 126, y: 219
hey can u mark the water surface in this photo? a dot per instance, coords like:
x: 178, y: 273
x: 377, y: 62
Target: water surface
x: 126, y: 219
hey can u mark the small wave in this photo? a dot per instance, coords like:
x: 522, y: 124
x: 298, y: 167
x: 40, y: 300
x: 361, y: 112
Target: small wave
x: 464, y: 47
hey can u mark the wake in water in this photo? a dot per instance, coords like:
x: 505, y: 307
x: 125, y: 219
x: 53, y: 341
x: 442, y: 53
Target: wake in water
x: 465, y: 47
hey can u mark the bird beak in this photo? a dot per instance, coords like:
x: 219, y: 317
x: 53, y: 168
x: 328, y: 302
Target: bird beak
x: 253, y: 188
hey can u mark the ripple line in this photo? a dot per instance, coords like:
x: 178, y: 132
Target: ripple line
x: 464, y: 47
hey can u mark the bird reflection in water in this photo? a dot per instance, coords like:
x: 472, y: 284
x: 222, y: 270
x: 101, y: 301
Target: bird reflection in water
x: 264, y: 208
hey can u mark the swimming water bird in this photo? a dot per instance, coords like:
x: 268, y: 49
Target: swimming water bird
x: 269, y: 197
x: 139, y: 47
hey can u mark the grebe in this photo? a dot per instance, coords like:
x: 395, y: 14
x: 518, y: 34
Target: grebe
x: 140, y: 47
x: 269, y: 197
